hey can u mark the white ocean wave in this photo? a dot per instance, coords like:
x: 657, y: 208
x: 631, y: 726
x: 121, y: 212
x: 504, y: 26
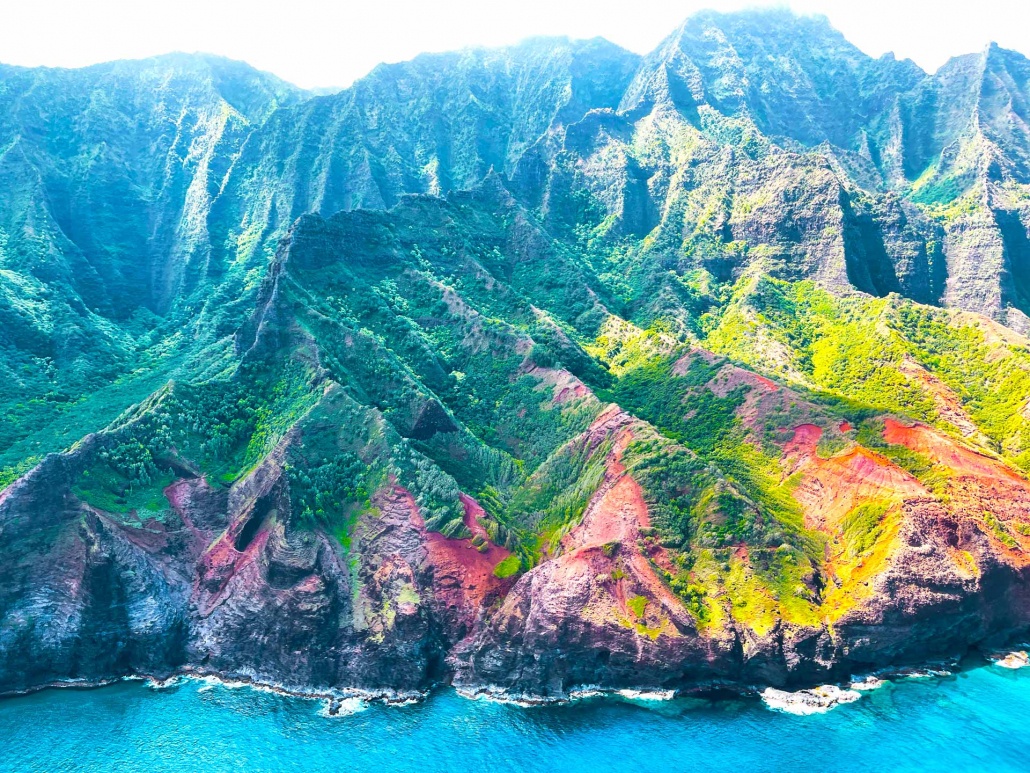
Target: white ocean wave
x: 646, y: 695
x: 164, y: 684
x: 342, y: 707
x: 867, y: 683
x: 817, y: 700
x: 923, y: 673
x: 500, y: 695
x: 1014, y: 660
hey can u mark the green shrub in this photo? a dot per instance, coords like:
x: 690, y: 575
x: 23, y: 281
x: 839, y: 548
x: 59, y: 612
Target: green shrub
x: 637, y: 605
x: 509, y: 567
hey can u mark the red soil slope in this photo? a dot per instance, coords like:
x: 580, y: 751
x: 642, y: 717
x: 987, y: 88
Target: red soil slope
x: 830, y: 488
x: 463, y: 578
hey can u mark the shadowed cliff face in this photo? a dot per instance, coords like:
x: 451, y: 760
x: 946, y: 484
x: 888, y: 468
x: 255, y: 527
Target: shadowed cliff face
x: 532, y: 368
x: 110, y: 170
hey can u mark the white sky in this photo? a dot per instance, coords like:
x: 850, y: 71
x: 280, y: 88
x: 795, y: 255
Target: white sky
x: 325, y: 43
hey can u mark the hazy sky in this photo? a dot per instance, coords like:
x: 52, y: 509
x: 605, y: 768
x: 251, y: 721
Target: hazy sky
x: 324, y: 43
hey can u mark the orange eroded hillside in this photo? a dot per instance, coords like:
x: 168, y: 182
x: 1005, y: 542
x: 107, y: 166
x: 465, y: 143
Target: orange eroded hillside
x: 830, y: 488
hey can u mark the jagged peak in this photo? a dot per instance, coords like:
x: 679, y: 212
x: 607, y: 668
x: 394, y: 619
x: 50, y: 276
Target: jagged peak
x: 795, y: 76
x: 991, y: 57
x: 493, y: 188
x: 764, y: 27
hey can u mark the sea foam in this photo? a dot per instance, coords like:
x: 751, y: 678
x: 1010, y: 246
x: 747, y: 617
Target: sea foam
x: 817, y: 700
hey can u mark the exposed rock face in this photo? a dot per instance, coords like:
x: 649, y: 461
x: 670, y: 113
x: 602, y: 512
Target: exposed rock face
x: 84, y: 598
x: 943, y: 583
x: 570, y: 621
x: 231, y: 587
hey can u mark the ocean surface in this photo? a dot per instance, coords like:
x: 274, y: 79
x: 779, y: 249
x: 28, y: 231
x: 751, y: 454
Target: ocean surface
x: 977, y: 720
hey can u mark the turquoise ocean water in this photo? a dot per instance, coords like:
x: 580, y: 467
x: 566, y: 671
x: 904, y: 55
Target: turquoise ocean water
x: 977, y: 720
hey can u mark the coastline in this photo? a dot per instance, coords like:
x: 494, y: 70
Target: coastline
x: 345, y: 701
x: 333, y: 698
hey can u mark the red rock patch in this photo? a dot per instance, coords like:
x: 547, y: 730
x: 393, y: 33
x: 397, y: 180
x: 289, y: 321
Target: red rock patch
x: 958, y: 458
x: 830, y: 488
x: 462, y: 576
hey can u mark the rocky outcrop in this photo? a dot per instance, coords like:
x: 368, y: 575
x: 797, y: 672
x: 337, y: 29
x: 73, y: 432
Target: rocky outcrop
x: 599, y: 615
x: 940, y: 578
x: 226, y: 583
x: 83, y: 597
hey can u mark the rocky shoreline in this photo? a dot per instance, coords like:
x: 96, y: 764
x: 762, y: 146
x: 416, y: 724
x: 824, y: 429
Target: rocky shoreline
x: 340, y: 702
x: 242, y: 593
